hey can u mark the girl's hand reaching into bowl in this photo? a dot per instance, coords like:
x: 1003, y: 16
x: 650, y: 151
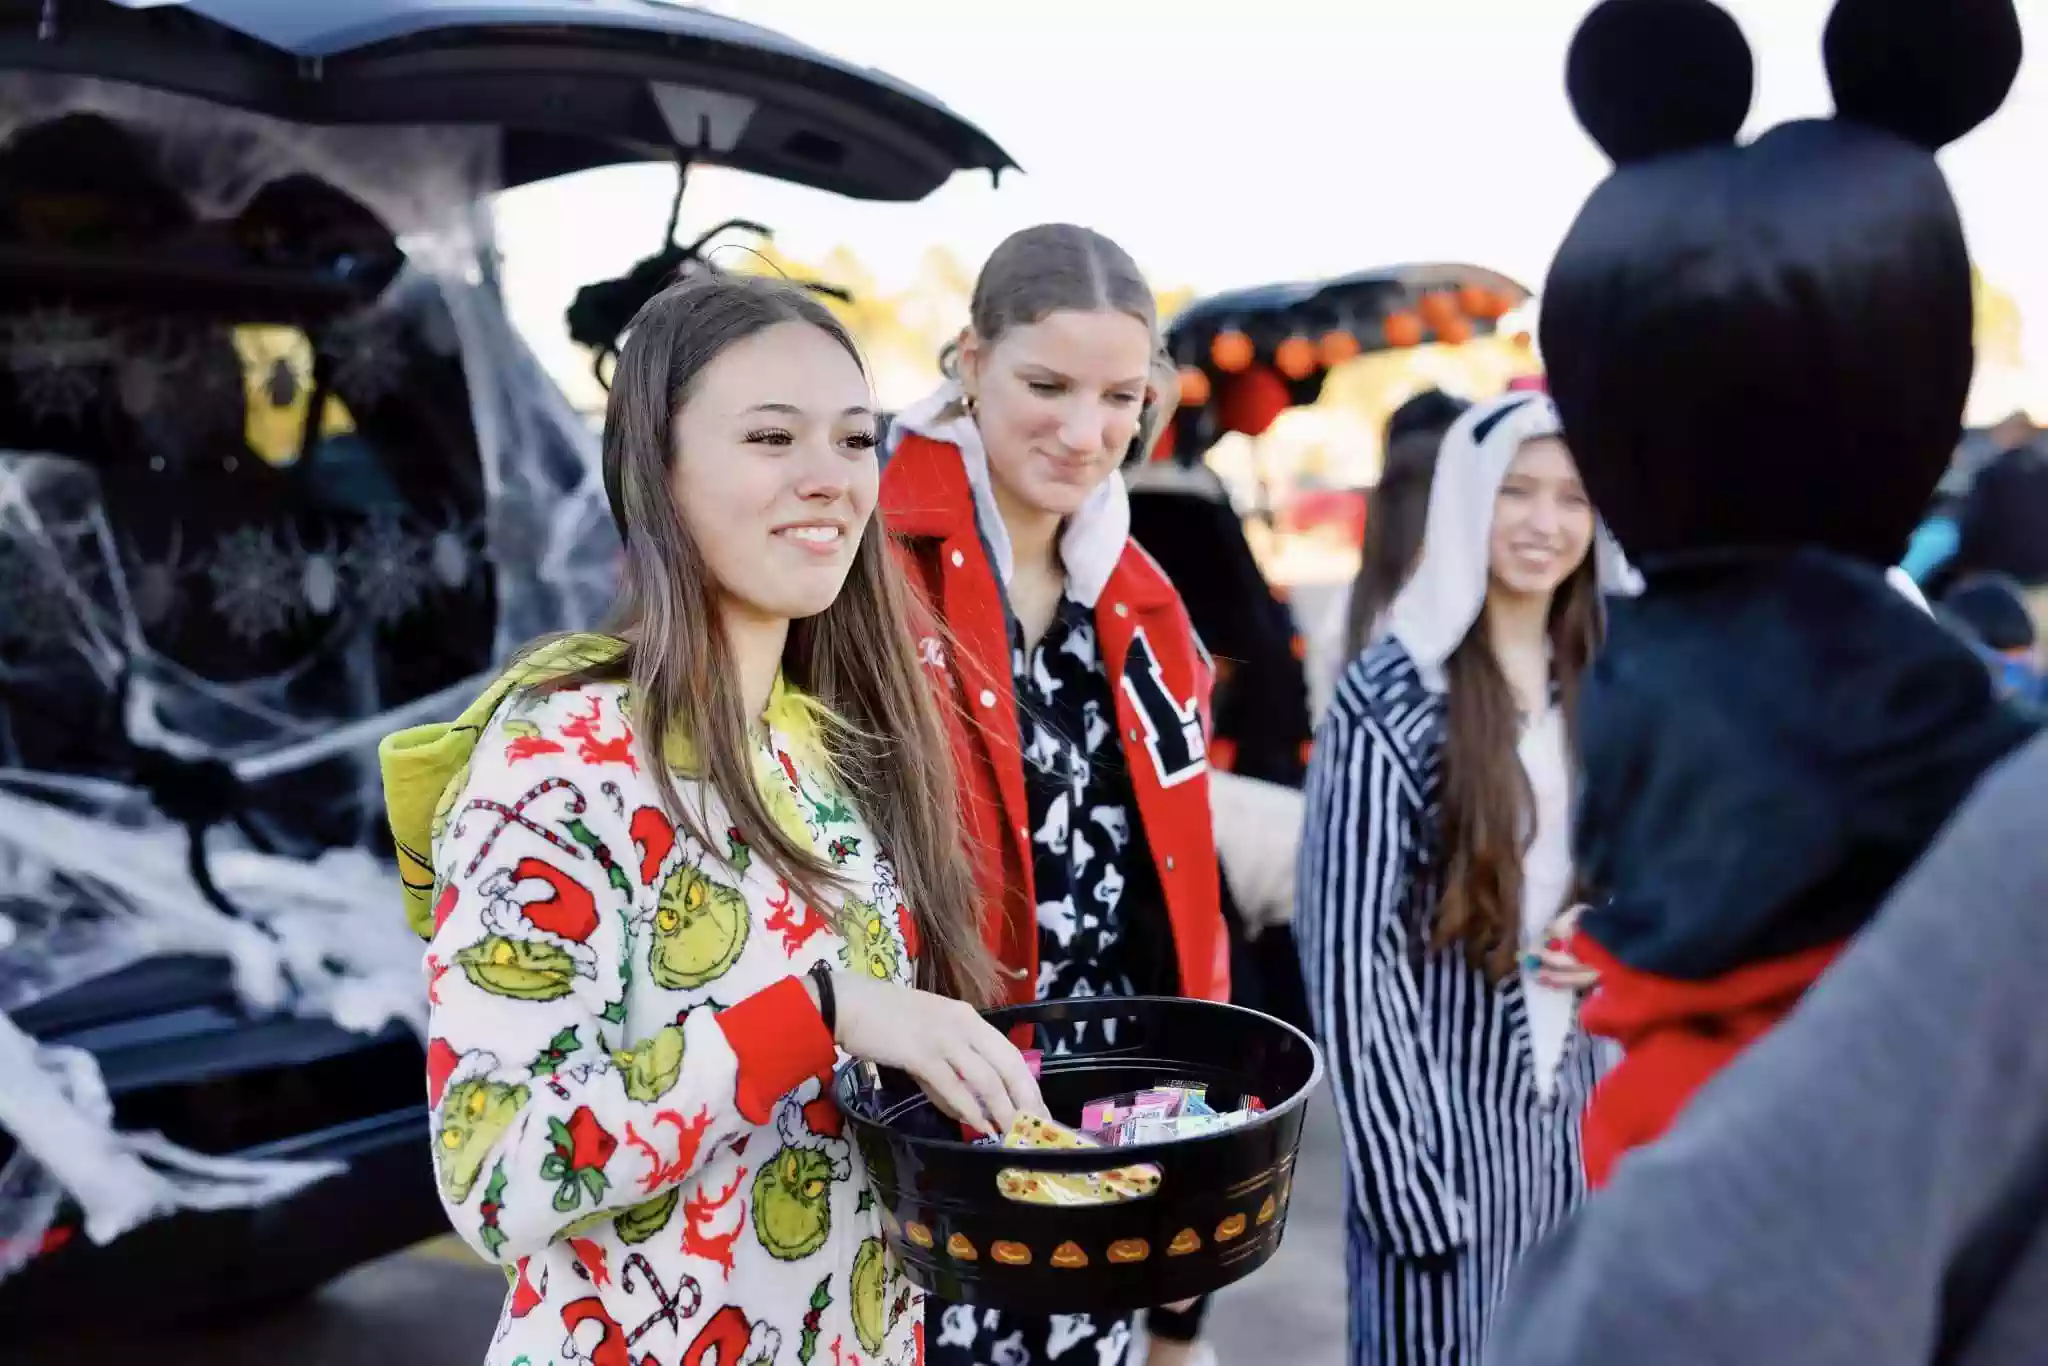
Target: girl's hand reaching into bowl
x: 968, y: 1067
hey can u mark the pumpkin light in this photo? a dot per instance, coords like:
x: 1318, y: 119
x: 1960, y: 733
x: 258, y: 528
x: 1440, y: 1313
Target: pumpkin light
x: 1231, y: 351
x: 1439, y: 309
x: 1194, y: 386
x: 1403, y: 329
x: 1295, y: 358
x: 1480, y: 302
x: 1338, y: 347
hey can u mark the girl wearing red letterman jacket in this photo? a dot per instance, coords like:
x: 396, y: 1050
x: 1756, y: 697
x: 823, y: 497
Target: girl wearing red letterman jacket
x: 1078, y: 690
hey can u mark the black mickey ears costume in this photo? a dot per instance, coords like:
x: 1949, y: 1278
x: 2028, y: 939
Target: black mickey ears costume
x: 1767, y: 346
x: 1761, y: 353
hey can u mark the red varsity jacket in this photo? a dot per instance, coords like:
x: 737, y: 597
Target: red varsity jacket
x: 1163, y: 679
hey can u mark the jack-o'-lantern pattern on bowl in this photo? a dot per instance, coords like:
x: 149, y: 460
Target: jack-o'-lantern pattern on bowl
x: 1071, y: 1256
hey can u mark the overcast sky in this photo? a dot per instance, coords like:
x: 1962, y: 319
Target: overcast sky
x: 1227, y: 144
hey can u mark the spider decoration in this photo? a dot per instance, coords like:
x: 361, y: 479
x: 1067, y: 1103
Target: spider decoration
x: 156, y: 586
x: 601, y: 313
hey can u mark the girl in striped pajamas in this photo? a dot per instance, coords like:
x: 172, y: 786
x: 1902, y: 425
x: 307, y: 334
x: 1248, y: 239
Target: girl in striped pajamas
x: 1435, y: 882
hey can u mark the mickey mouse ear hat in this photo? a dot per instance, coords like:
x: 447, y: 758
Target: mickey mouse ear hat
x: 1767, y: 346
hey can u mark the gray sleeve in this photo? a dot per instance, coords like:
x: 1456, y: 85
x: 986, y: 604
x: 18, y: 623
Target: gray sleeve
x: 1810, y: 1204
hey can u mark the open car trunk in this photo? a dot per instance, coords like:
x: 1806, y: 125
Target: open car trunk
x: 271, y: 486
x: 244, y: 513
x: 569, y: 84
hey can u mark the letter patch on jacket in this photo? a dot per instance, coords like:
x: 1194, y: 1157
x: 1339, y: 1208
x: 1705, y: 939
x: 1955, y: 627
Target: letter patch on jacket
x: 1173, y: 729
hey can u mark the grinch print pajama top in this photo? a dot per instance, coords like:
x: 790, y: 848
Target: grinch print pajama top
x: 628, y: 1078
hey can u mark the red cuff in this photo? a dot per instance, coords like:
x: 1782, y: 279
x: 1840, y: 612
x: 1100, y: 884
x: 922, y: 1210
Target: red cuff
x: 780, y: 1040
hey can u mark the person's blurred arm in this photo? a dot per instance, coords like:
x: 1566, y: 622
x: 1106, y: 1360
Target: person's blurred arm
x: 1849, y: 1191
x: 1258, y: 838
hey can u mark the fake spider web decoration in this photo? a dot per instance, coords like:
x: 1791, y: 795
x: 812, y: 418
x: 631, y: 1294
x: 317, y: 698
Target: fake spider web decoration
x: 37, y: 616
x: 386, y: 567
x: 366, y: 351
x: 93, y: 877
x: 58, y: 359
x: 255, y: 584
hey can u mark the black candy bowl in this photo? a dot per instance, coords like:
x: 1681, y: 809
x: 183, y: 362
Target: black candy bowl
x: 1216, y: 1216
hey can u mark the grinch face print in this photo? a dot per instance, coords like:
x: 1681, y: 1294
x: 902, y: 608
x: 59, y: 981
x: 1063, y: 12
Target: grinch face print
x: 700, y: 930
x: 536, y: 948
x: 792, y: 1203
x: 792, y: 1193
x: 651, y: 1068
x: 869, y: 1295
x: 518, y: 969
x: 473, y: 1117
x: 644, y: 1220
x: 475, y: 1111
x: 870, y: 947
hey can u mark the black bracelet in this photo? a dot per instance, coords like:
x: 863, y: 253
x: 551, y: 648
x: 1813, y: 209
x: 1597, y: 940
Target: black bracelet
x: 828, y: 1005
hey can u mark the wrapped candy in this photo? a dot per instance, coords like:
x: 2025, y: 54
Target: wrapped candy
x: 1162, y: 1114
x: 1068, y: 1188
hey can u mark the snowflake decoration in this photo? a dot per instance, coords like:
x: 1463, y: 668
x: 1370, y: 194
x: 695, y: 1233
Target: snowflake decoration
x: 255, y: 584
x: 387, y: 569
x: 367, y: 353
x: 55, y: 355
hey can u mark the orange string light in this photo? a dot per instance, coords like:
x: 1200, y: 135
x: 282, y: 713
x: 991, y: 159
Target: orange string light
x: 1481, y: 302
x: 1295, y: 358
x: 1232, y: 351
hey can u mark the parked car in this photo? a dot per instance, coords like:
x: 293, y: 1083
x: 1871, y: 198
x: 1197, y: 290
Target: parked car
x: 1247, y: 355
x: 276, y: 477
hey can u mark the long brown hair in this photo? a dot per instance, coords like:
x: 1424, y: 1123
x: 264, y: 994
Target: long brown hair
x: 883, y: 735
x: 1487, y: 815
